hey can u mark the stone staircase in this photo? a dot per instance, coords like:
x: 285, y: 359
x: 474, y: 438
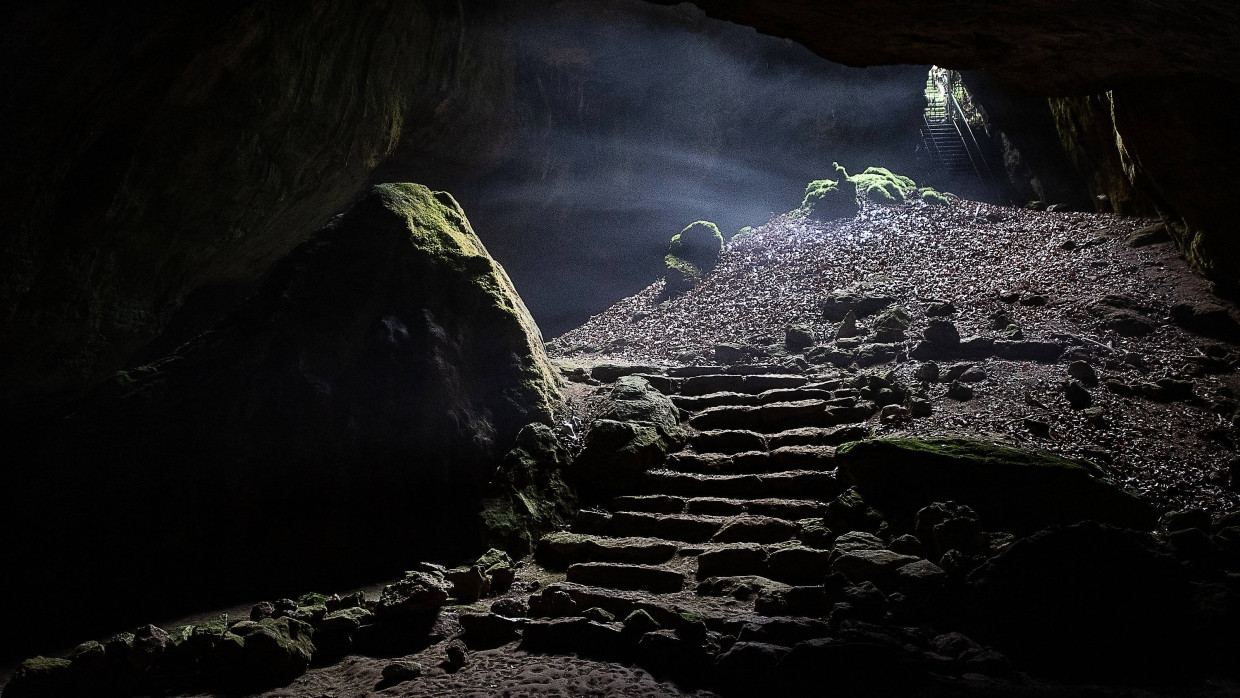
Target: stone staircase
x: 724, y: 544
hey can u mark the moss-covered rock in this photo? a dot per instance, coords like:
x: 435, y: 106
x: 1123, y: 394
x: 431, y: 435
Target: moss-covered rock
x: 1010, y: 489
x: 692, y: 252
x: 530, y: 493
x: 352, y: 410
x: 636, y: 430
x: 933, y: 197
x: 699, y: 243
x: 825, y: 201
x: 40, y: 677
x: 879, y: 184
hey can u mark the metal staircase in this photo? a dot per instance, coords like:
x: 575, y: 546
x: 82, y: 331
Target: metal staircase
x: 946, y: 133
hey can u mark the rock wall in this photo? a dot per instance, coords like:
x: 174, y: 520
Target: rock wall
x: 159, y: 157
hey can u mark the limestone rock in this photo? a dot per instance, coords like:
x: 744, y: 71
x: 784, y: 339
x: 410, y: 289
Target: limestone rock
x: 1010, y: 489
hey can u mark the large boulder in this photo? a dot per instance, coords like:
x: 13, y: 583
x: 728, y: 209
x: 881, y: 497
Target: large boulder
x: 348, y: 415
x: 1090, y: 602
x: 1010, y: 489
x: 635, y: 432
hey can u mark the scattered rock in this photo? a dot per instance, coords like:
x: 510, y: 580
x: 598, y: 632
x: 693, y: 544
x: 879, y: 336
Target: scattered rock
x: 798, y: 338
x: 848, y: 327
x: 1083, y: 372
x: 418, y: 592
x: 1078, y: 397
x: 940, y: 309
x: 400, y: 672
x: 960, y: 391
x: 1150, y: 235
x: 1038, y: 427
x: 1206, y: 319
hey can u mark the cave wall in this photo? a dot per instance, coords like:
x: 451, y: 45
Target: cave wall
x: 154, y: 152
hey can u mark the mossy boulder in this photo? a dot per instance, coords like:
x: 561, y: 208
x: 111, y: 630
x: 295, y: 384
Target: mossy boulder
x: 1011, y: 489
x: 700, y: 243
x: 879, y: 184
x: 635, y: 432
x: 826, y: 201
x: 933, y: 197
x: 352, y: 411
x: 691, y: 253
x: 530, y: 492
x: 40, y: 677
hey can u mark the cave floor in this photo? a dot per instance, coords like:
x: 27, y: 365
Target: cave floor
x: 1070, y: 279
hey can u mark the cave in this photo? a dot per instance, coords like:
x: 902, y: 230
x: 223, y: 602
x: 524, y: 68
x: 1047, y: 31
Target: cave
x: 620, y: 346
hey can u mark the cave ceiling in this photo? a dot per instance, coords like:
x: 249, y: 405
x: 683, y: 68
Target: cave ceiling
x: 1049, y: 46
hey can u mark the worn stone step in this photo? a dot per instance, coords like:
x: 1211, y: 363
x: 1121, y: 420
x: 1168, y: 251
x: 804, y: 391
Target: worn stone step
x: 732, y: 560
x: 817, y: 436
x: 727, y: 441
x: 697, y: 403
x: 747, y: 462
x: 792, y: 509
x: 561, y: 549
x: 619, y: 603
x: 749, y: 528
x: 776, y: 416
x: 793, y: 394
x: 752, y: 384
x: 715, y: 506
x: 659, y: 580
x: 801, y: 458
x: 799, y: 484
x: 650, y: 503
x: 689, y: 528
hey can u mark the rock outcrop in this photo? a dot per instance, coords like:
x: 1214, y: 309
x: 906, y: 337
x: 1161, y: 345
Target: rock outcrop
x: 349, y: 413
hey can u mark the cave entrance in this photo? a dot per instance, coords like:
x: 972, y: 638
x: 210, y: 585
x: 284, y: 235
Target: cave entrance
x: 948, y: 128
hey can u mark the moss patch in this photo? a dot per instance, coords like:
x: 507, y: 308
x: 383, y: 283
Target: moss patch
x: 879, y: 184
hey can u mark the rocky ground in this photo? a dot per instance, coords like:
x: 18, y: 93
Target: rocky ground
x: 1087, y: 283
x: 736, y: 538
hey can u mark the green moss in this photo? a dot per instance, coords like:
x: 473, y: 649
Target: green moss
x: 879, y: 184
x: 699, y: 244
x: 742, y: 232
x: 824, y: 200
x: 439, y: 229
x: 43, y: 666
x: 932, y: 197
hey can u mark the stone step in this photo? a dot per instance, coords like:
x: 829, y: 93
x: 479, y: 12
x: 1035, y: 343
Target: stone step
x: 799, y: 484
x: 750, y: 528
x: 792, y: 509
x: 727, y: 441
x: 561, y: 549
x: 620, y: 603
x: 747, y: 462
x: 817, y: 436
x: 612, y: 575
x: 687, y: 528
x: 752, y: 384
x: 787, y: 563
x: 780, y: 416
x: 650, y: 503
x: 697, y: 403
x: 783, y: 458
x: 794, y: 394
